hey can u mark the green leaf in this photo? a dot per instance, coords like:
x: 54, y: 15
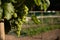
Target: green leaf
x: 8, y: 10
x: 15, y: 15
x: 8, y: 16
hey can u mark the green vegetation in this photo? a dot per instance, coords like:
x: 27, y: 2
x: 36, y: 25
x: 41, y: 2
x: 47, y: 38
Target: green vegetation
x: 37, y: 30
x: 15, y: 11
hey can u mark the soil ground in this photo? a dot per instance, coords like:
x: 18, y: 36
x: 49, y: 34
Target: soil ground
x: 51, y: 35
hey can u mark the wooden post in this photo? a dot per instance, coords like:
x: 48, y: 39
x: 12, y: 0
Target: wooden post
x: 2, y: 32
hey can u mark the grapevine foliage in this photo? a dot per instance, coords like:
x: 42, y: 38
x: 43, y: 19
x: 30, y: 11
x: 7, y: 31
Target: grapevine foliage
x: 44, y: 4
x: 16, y: 11
x: 8, y: 10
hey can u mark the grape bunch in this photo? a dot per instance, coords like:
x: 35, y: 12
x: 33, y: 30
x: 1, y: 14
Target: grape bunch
x: 18, y: 20
x: 35, y: 19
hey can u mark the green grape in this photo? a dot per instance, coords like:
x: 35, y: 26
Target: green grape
x: 24, y: 20
x: 41, y: 6
x: 18, y: 32
x: 25, y: 12
x: 16, y: 22
x: 34, y: 18
x: 15, y: 15
x: 26, y: 8
x: 19, y: 20
x: 45, y: 6
x: 37, y: 2
x: 48, y: 2
x: 19, y: 26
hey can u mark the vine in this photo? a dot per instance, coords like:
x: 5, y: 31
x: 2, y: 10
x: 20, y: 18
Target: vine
x: 16, y: 11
